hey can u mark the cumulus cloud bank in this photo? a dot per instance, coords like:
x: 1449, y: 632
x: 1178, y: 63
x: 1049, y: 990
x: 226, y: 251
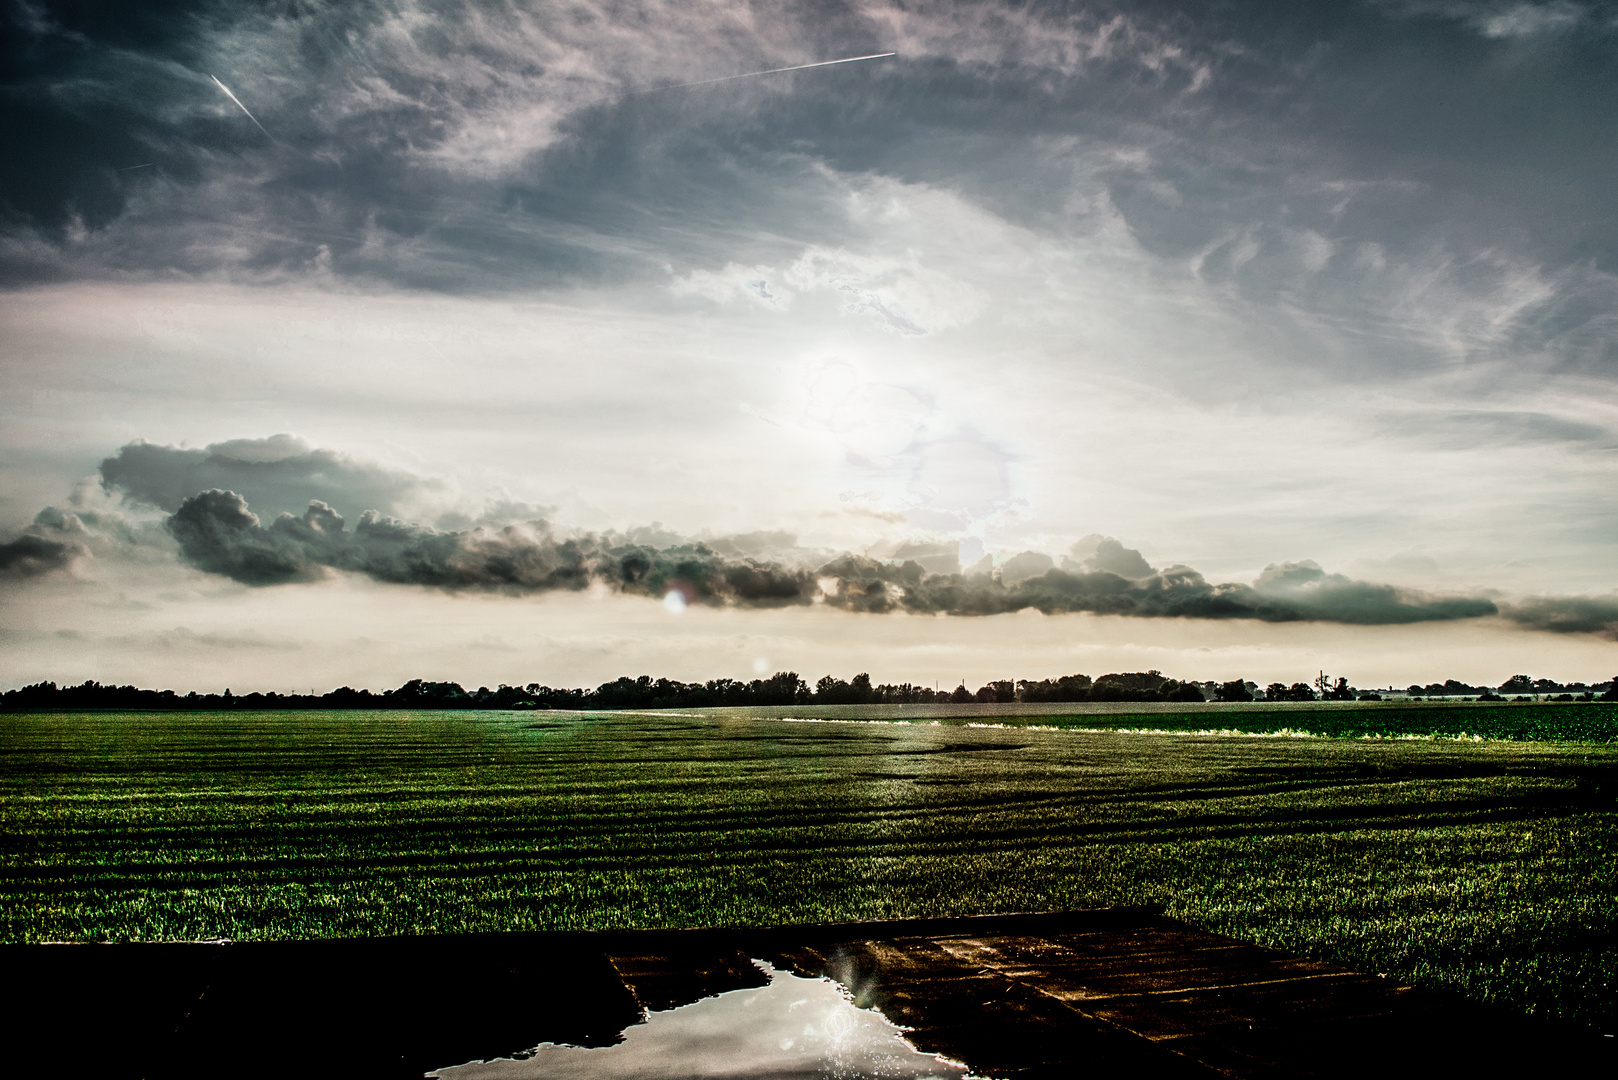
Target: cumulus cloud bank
x: 219, y: 533
x: 280, y: 473
x: 30, y: 555
x: 57, y: 539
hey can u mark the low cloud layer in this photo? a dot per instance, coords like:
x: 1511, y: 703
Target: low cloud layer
x: 280, y: 473
x: 29, y: 556
x: 218, y: 532
x: 57, y: 540
x: 1567, y: 614
x: 1290, y: 592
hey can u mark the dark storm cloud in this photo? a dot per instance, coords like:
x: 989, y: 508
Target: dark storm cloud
x: 30, y: 556
x: 217, y: 532
x: 404, y: 141
x: 57, y: 539
x: 1306, y: 152
x: 1290, y: 592
x: 281, y: 473
x: 1567, y: 614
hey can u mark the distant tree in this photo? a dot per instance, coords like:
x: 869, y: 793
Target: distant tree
x: 1517, y: 684
x: 1235, y: 690
x: 421, y: 694
x: 1129, y: 686
x: 834, y: 691
x: 782, y: 688
x: 1612, y: 694
x: 1186, y: 692
x: 961, y: 695
x: 1276, y: 692
x: 1066, y: 688
x: 906, y: 694
x: 996, y: 692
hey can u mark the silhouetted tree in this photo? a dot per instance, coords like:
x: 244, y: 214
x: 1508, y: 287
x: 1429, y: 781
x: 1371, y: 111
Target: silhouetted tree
x: 1517, y: 684
x: 1066, y: 688
x: 996, y: 692
x: 1186, y: 692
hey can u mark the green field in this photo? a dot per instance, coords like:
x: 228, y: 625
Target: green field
x: 1487, y: 866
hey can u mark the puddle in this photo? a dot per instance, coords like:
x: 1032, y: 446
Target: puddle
x: 791, y: 1029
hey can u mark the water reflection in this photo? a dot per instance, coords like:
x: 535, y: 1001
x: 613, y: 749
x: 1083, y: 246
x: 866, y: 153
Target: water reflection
x: 793, y: 1028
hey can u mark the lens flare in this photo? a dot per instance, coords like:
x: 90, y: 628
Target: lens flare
x: 674, y: 600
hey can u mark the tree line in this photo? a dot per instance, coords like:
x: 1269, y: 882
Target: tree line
x: 783, y: 688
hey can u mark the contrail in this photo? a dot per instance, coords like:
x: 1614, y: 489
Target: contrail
x: 243, y: 108
x: 126, y: 168
x: 772, y: 71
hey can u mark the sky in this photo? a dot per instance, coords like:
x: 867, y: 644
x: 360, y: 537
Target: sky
x: 351, y: 343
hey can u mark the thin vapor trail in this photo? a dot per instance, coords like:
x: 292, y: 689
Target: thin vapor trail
x: 243, y: 108
x: 777, y: 71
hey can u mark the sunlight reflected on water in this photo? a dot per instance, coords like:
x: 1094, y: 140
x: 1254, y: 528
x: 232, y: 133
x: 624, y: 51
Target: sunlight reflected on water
x: 792, y: 1028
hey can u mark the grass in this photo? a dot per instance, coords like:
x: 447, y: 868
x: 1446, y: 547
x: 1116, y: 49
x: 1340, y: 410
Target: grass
x: 1487, y: 867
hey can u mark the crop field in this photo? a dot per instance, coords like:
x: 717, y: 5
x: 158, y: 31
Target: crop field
x: 1485, y: 866
x: 1537, y: 722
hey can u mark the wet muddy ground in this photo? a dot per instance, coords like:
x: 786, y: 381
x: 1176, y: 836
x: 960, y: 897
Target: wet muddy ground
x: 1122, y: 992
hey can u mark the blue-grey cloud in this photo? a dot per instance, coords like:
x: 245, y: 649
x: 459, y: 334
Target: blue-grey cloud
x: 280, y: 473
x: 1344, y: 157
x: 218, y: 532
x: 1470, y: 428
x: 30, y: 556
x: 1567, y: 614
x: 57, y: 539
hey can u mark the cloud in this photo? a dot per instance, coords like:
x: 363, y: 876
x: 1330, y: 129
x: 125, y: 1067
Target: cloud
x: 1529, y: 20
x: 30, y: 556
x: 60, y: 539
x: 280, y: 473
x: 452, y: 144
x: 1467, y: 429
x: 1567, y: 614
x: 183, y: 639
x: 218, y: 533
x: 1103, y: 554
x: 1290, y: 592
